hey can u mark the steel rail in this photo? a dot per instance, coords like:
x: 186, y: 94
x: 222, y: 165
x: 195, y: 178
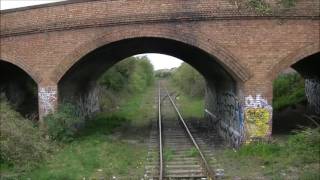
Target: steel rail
x: 160, y: 135
x: 210, y: 173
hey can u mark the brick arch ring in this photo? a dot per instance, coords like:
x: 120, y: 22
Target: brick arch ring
x: 292, y: 58
x: 224, y: 57
x: 21, y: 65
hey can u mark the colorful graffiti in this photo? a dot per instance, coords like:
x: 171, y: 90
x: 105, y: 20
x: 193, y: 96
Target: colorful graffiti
x: 258, y: 115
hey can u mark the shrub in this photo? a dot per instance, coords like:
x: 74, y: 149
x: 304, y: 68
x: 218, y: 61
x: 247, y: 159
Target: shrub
x: 64, y: 124
x: 22, y: 145
x: 189, y: 80
x: 133, y: 75
x: 304, y: 146
x: 288, y: 90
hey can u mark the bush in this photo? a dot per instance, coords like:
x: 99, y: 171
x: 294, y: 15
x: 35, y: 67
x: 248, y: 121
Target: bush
x: 304, y: 146
x: 189, y: 80
x: 22, y: 145
x: 64, y: 124
x: 288, y: 90
x: 133, y: 75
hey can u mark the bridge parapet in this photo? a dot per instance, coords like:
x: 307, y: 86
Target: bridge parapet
x: 83, y: 14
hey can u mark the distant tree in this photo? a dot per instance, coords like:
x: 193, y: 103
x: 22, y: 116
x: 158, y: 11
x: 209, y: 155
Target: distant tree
x: 189, y: 80
x: 133, y: 74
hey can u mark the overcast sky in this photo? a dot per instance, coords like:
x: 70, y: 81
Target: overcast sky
x: 159, y: 61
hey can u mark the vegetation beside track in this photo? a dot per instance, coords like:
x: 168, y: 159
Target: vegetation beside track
x: 111, y: 144
x: 294, y: 156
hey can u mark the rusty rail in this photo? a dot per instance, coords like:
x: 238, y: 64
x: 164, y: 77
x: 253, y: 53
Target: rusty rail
x: 160, y: 136
x: 205, y: 163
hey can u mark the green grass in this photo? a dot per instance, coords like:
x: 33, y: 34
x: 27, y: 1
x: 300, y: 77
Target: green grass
x: 111, y: 144
x: 168, y: 154
x: 91, y: 157
x: 191, y: 107
x: 140, y: 107
x: 192, y: 152
x: 298, y: 156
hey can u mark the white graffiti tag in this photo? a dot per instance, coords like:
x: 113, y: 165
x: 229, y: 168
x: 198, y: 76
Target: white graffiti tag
x: 47, y: 98
x: 257, y: 102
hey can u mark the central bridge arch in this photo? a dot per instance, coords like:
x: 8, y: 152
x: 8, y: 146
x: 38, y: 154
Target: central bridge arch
x: 223, y: 56
x: 77, y: 74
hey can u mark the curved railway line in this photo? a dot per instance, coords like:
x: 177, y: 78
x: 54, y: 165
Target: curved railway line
x: 174, y: 152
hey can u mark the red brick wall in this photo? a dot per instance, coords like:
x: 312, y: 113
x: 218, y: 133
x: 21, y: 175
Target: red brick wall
x: 47, y: 41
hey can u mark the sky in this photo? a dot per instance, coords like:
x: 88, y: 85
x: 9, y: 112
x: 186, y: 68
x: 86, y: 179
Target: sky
x: 159, y: 61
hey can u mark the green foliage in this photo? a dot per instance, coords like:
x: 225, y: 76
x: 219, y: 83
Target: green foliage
x: 259, y: 6
x: 304, y: 146
x: 64, y: 124
x: 102, y: 124
x: 189, y: 81
x: 133, y: 74
x: 288, y: 90
x: 168, y: 154
x: 163, y: 73
x: 288, y: 3
x: 191, y: 106
x: 101, y: 148
x: 301, y: 151
x: 192, y: 152
x: 21, y: 143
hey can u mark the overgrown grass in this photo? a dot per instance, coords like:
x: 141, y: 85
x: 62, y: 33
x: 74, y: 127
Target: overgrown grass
x: 191, y: 107
x: 108, y: 145
x: 95, y: 154
x: 288, y: 90
x: 299, y: 157
x: 22, y: 145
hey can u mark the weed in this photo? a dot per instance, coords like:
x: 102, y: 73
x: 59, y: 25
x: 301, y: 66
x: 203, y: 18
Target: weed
x: 64, y: 124
x: 167, y: 154
x: 259, y: 6
x: 21, y: 143
x: 192, y: 152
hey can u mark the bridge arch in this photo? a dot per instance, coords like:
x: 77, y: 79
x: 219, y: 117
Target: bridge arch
x: 224, y: 57
x: 19, y: 88
x: 21, y: 65
x: 76, y: 78
x: 293, y: 58
x: 305, y: 62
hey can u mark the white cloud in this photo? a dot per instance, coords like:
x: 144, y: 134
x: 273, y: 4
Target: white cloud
x: 161, y: 61
x: 10, y: 4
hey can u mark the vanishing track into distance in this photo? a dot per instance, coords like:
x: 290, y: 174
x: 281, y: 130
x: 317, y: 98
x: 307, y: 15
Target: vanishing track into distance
x: 175, y: 151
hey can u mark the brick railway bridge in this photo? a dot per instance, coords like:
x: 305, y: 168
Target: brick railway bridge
x: 64, y: 47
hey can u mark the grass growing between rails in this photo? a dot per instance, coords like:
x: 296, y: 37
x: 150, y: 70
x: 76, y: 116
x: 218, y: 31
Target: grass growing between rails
x: 296, y: 158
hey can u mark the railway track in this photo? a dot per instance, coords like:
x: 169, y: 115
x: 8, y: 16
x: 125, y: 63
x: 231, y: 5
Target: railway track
x: 174, y: 152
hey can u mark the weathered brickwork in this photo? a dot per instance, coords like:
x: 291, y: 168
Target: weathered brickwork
x: 48, y: 40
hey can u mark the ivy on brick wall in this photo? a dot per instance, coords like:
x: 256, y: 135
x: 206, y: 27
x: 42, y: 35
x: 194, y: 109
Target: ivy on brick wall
x: 259, y: 6
x: 263, y: 6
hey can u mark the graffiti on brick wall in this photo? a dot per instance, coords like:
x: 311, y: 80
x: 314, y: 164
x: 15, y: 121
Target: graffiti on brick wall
x: 231, y: 118
x: 258, y: 114
x: 312, y: 88
x: 89, y: 103
x: 47, y: 99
